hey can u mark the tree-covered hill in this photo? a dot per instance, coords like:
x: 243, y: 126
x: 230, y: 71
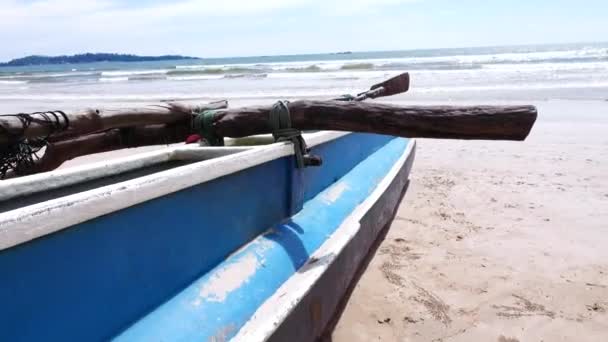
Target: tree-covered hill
x: 89, y: 58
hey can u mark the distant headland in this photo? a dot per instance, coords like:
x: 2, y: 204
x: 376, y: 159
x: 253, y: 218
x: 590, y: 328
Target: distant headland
x: 90, y: 58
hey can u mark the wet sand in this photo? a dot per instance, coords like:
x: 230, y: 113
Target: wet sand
x: 497, y: 241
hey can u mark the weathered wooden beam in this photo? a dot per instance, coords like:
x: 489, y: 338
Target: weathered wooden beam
x: 447, y: 122
x: 444, y: 122
x: 393, y: 86
x: 97, y: 120
x: 57, y: 153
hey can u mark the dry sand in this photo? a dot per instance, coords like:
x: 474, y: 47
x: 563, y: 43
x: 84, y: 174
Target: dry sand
x: 497, y: 241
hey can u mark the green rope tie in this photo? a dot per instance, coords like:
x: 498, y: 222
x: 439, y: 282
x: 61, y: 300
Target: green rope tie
x: 279, y: 120
x: 203, y: 124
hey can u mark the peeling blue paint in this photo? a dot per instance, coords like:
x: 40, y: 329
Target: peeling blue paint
x: 92, y: 281
x: 279, y: 254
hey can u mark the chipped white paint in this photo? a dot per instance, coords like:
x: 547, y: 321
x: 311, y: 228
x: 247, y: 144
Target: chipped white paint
x: 60, y: 178
x: 228, y: 279
x: 278, y: 307
x: 335, y: 192
x: 46, y: 181
x: 27, y: 223
x: 197, y: 153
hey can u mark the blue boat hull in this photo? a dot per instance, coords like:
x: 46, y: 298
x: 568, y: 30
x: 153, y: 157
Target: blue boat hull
x: 197, y: 264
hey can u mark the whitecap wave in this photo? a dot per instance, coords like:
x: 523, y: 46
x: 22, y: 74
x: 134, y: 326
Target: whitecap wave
x: 194, y: 77
x: 133, y: 72
x: 12, y: 82
x: 448, y: 62
x: 113, y: 79
x: 186, y: 67
x: 511, y: 87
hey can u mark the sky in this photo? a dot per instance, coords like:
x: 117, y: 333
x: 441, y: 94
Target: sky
x: 222, y: 28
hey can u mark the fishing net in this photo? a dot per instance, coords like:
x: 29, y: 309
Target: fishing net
x: 20, y: 153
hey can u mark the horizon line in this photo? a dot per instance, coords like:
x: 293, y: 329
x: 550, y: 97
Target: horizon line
x: 318, y: 53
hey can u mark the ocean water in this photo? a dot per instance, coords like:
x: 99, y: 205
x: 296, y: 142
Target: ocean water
x: 569, y: 71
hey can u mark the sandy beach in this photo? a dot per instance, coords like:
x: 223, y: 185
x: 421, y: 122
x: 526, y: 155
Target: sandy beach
x: 497, y: 241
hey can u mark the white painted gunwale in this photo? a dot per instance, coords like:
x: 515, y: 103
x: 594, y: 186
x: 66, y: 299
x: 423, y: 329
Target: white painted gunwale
x: 30, y: 222
x: 28, y: 185
x: 279, y: 306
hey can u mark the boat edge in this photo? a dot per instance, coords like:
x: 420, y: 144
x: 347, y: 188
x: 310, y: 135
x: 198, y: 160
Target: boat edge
x: 301, y: 304
x: 24, y: 224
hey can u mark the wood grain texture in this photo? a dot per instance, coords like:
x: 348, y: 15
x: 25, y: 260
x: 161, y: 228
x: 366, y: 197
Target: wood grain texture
x: 98, y: 120
x: 444, y: 122
x: 59, y: 152
x: 393, y: 86
x: 94, y: 132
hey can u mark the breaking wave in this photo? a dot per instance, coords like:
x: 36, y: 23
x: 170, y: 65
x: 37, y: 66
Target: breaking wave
x: 465, y: 63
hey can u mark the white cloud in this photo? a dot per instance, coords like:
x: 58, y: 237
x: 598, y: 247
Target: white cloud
x: 13, y: 10
x: 66, y: 9
x: 253, y: 27
x: 68, y: 26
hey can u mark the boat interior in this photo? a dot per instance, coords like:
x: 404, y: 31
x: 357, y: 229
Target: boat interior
x: 28, y: 190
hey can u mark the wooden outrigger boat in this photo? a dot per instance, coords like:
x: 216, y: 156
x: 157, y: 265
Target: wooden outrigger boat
x: 239, y: 242
x: 196, y: 243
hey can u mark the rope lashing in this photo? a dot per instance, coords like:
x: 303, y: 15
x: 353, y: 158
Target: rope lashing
x: 280, y: 123
x: 203, y: 124
x: 55, y: 120
x: 21, y: 153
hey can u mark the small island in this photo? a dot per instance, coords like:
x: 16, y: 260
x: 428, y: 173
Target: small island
x: 89, y: 58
